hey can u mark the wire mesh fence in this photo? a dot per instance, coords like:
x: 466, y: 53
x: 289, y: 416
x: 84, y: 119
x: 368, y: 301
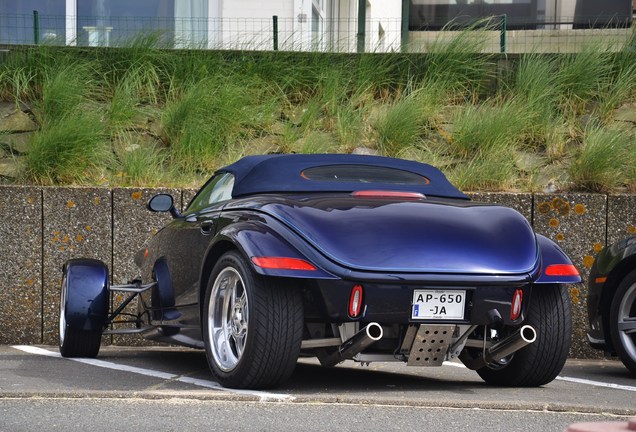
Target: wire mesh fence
x: 488, y: 35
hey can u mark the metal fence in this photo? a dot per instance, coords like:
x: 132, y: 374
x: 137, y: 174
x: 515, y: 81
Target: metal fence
x: 386, y: 35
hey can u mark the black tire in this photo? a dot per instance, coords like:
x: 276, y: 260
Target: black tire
x: 623, y: 314
x: 252, y: 326
x: 550, y: 313
x: 75, y: 342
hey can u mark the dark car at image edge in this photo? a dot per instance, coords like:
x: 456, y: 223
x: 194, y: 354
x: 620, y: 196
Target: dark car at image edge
x: 338, y: 257
x: 611, y: 303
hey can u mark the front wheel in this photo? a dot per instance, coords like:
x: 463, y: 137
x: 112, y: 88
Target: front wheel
x: 252, y: 326
x: 623, y: 321
x: 73, y: 340
x: 550, y: 313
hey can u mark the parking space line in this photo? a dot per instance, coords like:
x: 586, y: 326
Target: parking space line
x: 264, y: 396
x: 596, y: 383
x: 569, y: 379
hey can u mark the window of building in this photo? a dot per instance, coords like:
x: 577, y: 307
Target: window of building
x: 17, y: 21
x: 318, y: 24
x: 117, y: 22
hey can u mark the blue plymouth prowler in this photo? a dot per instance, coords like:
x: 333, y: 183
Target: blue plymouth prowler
x: 338, y: 257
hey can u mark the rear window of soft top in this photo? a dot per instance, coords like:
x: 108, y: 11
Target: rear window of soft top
x: 363, y: 174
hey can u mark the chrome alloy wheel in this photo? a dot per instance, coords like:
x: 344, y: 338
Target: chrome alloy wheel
x: 227, y: 319
x: 627, y: 321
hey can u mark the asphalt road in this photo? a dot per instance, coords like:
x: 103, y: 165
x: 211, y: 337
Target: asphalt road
x: 171, y: 389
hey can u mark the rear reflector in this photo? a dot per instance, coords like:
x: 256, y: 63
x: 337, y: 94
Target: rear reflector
x: 282, y: 263
x: 388, y: 195
x: 601, y: 280
x: 355, y: 301
x: 561, y: 270
x: 515, y: 308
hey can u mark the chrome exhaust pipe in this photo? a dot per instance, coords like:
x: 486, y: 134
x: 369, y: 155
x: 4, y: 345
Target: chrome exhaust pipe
x: 354, y: 345
x: 513, y: 343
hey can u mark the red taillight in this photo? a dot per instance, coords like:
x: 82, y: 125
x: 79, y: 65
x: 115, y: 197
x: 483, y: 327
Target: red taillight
x: 515, y: 308
x: 282, y: 263
x: 561, y: 270
x: 388, y: 194
x: 355, y: 301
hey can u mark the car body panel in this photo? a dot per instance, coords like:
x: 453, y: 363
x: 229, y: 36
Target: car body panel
x: 422, y: 236
x: 551, y: 253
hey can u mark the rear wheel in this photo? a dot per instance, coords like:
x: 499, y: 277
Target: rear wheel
x: 75, y: 342
x: 252, y: 326
x: 550, y: 313
x: 623, y: 321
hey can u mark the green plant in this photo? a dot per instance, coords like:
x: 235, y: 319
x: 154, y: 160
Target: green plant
x: 73, y: 150
x: 210, y: 113
x: 455, y: 61
x: 605, y: 160
x: 139, y: 165
x: 64, y: 89
x: 17, y: 84
x: 490, y: 169
x: 581, y: 74
x: 406, y: 119
x: 487, y: 127
x: 620, y: 85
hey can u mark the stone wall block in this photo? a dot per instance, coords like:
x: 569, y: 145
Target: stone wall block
x: 522, y: 202
x: 133, y: 226
x: 576, y: 222
x: 621, y: 217
x: 77, y: 224
x: 21, y: 265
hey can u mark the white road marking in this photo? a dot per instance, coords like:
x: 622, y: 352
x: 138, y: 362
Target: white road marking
x: 596, y: 383
x: 264, y: 396
x: 569, y: 379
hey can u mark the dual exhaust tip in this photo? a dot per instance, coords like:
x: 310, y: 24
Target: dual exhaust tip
x: 373, y: 332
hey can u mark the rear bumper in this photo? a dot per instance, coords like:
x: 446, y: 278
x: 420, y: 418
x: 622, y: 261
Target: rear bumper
x: 393, y: 303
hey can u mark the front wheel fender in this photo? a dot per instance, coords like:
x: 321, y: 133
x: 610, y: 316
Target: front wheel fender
x: 86, y: 299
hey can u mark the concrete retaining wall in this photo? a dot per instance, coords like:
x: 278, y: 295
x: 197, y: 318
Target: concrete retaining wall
x: 43, y: 227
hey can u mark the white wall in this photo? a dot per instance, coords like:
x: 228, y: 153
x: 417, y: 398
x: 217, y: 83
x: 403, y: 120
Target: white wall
x: 384, y: 25
x: 248, y: 24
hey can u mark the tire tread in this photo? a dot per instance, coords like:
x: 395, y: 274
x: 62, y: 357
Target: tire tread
x: 550, y: 313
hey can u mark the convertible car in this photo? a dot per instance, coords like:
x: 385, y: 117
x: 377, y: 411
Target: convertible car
x: 338, y: 257
x: 611, y: 301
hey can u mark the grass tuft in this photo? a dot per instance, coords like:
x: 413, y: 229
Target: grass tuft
x: 605, y: 161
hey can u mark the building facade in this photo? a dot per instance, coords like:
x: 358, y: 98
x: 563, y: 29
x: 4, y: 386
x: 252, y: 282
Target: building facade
x: 295, y: 25
x: 236, y: 24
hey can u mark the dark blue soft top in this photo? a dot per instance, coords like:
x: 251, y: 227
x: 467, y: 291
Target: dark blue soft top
x: 287, y: 173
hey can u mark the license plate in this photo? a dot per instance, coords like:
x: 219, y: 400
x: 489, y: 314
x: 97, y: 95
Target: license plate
x: 438, y: 304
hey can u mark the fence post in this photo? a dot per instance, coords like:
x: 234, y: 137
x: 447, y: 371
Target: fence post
x: 275, y: 22
x: 406, y: 10
x: 36, y: 27
x: 502, y: 34
x: 362, y: 24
